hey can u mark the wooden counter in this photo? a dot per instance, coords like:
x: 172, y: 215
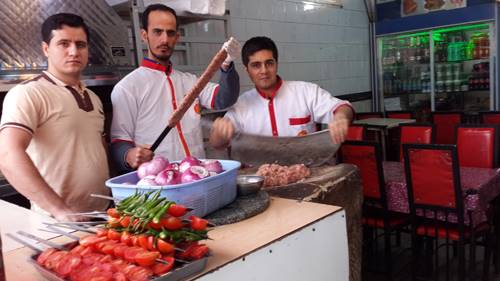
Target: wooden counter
x: 291, y: 240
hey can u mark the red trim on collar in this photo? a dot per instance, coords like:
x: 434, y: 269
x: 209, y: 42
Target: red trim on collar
x: 278, y: 86
x: 157, y: 66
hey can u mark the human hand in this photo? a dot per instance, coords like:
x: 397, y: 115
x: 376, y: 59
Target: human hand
x: 138, y: 155
x: 222, y: 132
x: 233, y: 49
x: 66, y: 214
x: 338, y: 129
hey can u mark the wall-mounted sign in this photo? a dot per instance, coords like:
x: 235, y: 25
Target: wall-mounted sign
x: 417, y: 7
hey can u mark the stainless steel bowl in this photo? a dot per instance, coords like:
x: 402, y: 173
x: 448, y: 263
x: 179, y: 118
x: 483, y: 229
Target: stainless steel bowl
x: 249, y: 184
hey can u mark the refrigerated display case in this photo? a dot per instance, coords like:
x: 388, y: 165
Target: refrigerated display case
x: 442, y: 69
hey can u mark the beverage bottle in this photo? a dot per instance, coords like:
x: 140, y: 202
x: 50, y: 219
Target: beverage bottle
x: 485, y: 46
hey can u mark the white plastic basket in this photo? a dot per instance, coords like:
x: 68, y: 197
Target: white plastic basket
x: 204, y: 196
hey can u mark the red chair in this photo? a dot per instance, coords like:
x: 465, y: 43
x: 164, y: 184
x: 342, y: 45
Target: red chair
x: 433, y: 184
x: 366, y: 115
x: 416, y: 133
x: 368, y: 157
x: 490, y: 117
x: 477, y: 145
x: 356, y: 133
x: 403, y: 114
x: 446, y: 123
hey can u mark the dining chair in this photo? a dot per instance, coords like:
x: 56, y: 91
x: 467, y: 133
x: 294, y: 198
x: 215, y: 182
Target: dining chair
x: 356, y: 132
x: 376, y: 215
x: 366, y: 115
x: 490, y: 117
x: 434, y: 190
x: 416, y: 133
x: 445, y: 125
x: 401, y: 114
x: 477, y: 145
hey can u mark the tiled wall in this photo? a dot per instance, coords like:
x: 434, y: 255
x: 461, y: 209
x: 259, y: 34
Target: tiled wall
x: 320, y: 43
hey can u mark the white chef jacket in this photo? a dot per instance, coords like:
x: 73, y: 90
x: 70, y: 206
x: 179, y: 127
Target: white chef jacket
x: 144, y: 101
x: 293, y: 110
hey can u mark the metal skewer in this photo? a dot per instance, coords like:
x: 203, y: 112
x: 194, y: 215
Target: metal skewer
x: 38, y: 239
x: 53, y: 229
x: 25, y: 243
x: 73, y: 227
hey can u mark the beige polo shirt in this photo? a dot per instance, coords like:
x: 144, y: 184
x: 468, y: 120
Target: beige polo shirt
x: 67, y: 125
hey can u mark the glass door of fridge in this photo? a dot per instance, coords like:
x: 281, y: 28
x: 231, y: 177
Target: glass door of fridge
x: 462, y: 68
x: 405, y: 73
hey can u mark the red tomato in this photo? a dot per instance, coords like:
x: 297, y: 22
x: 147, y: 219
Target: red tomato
x: 200, y: 251
x: 102, y: 232
x: 86, y: 251
x: 131, y: 252
x: 160, y: 268
x: 140, y: 273
x: 118, y: 265
x: 114, y: 235
x: 164, y: 247
x: 143, y: 241
x: 91, y: 273
x: 172, y: 223
x: 53, y: 260
x: 125, y: 221
x: 91, y: 240
x: 198, y: 223
x: 126, y: 238
x: 106, y: 259
x: 119, y: 276
x: 119, y: 250
x: 135, y: 240
x: 153, y: 225
x: 112, y: 212
x: 78, y: 249
x: 177, y: 210
x: 151, y: 243
x: 67, y: 264
x: 42, y: 258
x: 146, y: 258
x: 113, y: 222
x: 92, y: 258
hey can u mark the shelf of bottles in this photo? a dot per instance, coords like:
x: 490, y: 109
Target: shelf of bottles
x: 460, y: 64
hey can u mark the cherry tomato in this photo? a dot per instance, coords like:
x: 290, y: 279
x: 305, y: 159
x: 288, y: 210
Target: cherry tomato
x: 108, y: 247
x: 177, y: 210
x: 151, y: 243
x: 199, y: 252
x: 172, y: 223
x: 146, y: 258
x: 42, y: 258
x: 53, y: 260
x: 112, y: 212
x: 91, y: 240
x: 140, y: 273
x: 198, y: 223
x: 125, y: 221
x: 153, y: 225
x: 119, y: 250
x: 134, y: 240
x: 131, y: 252
x: 126, y: 238
x: 164, y: 247
x: 92, y: 258
x: 160, y: 268
x: 114, y: 235
x: 143, y: 241
x: 102, y: 232
x: 119, y: 276
x: 113, y: 222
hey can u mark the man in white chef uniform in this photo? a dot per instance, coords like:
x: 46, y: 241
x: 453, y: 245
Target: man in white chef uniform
x: 276, y: 107
x: 145, y: 99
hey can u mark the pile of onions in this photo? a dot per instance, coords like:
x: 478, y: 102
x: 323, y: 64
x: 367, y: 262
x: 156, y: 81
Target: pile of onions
x: 160, y: 171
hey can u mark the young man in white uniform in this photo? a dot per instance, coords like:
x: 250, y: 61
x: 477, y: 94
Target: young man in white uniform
x: 276, y: 107
x: 145, y: 99
x: 51, y: 138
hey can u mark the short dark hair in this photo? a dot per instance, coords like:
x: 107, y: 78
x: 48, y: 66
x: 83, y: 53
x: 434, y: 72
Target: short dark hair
x: 56, y: 22
x: 256, y: 44
x: 157, y: 7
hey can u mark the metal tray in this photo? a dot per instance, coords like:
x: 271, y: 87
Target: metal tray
x: 177, y: 273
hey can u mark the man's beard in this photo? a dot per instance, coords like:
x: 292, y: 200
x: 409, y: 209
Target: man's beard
x: 161, y: 58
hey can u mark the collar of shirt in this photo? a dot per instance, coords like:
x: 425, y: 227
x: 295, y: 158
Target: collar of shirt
x: 149, y: 63
x: 275, y: 91
x: 80, y: 87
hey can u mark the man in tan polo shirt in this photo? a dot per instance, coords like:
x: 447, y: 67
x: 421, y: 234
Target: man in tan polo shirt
x: 51, y: 128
